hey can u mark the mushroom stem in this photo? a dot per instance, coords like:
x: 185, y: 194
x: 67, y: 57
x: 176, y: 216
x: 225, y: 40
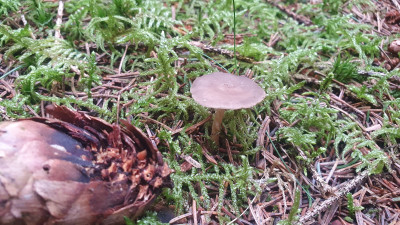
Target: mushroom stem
x: 216, y: 126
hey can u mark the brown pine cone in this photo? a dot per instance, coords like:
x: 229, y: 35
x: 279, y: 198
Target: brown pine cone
x: 76, y: 169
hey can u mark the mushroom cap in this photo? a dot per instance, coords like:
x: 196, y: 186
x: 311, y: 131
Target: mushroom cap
x: 394, y: 47
x: 226, y: 91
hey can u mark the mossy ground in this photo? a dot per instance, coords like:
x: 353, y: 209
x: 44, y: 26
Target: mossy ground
x: 330, y: 118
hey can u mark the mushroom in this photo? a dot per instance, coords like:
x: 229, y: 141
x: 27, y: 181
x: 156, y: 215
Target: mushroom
x: 223, y: 91
x: 394, y: 47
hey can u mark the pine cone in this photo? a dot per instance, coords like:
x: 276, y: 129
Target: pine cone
x: 76, y: 169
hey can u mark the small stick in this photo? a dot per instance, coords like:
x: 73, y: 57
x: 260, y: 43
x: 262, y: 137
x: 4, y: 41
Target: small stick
x: 57, y: 33
x: 396, y: 4
x: 209, y: 48
x: 322, y: 186
x: 352, y: 118
x: 25, y: 23
x: 338, y: 195
x: 74, y: 92
x: 385, y: 55
x: 122, y: 59
x: 273, y: 39
x: 87, y: 47
x: 300, y: 18
x: 359, y: 214
x: 176, y: 219
x: 228, y: 148
x: 155, y: 121
x: 173, y: 12
x: 194, y: 212
x: 262, y: 130
x: 23, y: 20
x: 192, y: 128
x: 329, y: 214
x: 119, y: 96
x: 336, y: 98
x: 332, y: 171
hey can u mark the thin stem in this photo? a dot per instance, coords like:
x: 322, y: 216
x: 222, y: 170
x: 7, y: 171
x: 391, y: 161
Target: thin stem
x: 216, y: 126
x: 11, y: 71
x: 234, y: 34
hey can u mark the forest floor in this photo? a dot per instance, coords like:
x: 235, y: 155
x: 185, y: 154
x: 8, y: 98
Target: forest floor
x: 321, y: 148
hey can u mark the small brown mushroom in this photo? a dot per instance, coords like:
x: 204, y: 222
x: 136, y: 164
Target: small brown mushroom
x: 394, y: 47
x: 223, y: 91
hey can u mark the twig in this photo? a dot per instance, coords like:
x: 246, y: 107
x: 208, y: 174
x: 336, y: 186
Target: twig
x: 208, y: 156
x: 122, y: 59
x: 337, y: 99
x: 351, y: 117
x: 23, y: 20
x: 371, y: 73
x: 255, y: 214
x: 261, y: 136
x: 228, y: 148
x: 122, y: 75
x: 228, y: 213
x: 31, y: 110
x: 155, y: 121
x: 338, y: 195
x: 3, y: 114
x: 87, y: 49
x: 359, y: 214
x: 8, y: 87
x: 150, y: 135
x: 129, y: 86
x: 194, y: 209
x: 74, y: 92
x: 273, y: 39
x: 234, y: 34
x: 385, y: 55
x: 176, y: 219
x: 302, y: 19
x: 25, y: 23
x: 173, y: 12
x: 244, y: 211
x: 191, y: 161
x: 57, y: 33
x: 192, y: 128
x: 325, y: 189
x: 336, y: 81
x: 394, y: 78
x: 262, y: 130
x: 396, y: 4
x: 329, y: 214
x: 332, y: 171
x: 209, y: 48
x: 76, y: 70
x: 274, y: 161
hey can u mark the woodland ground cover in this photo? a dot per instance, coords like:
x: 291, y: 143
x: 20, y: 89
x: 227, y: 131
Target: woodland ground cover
x: 323, y: 145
